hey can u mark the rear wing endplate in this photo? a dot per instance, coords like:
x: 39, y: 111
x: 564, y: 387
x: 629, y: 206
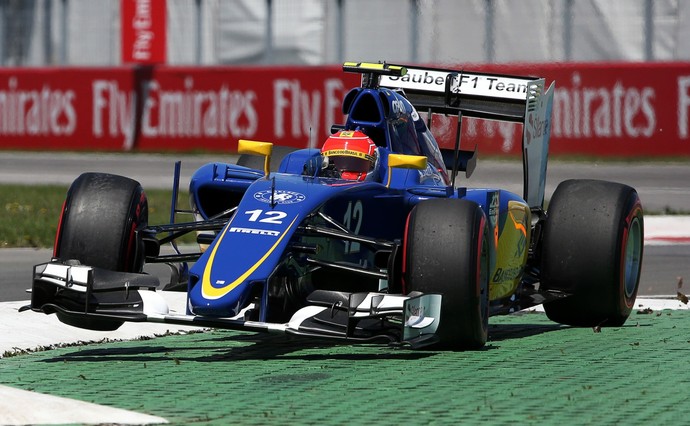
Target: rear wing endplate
x: 480, y: 95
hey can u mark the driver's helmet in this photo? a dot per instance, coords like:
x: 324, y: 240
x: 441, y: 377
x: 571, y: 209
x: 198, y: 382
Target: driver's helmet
x: 352, y: 154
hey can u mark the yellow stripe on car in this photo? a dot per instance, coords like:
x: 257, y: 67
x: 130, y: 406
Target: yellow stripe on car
x: 209, y: 291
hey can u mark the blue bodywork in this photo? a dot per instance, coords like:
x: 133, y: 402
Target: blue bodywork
x: 272, y: 211
x: 254, y: 254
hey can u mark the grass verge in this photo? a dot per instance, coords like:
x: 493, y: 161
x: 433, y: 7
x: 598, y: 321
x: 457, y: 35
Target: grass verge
x: 30, y: 214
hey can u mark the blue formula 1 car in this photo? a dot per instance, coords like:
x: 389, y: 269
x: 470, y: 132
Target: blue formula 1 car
x: 366, y: 239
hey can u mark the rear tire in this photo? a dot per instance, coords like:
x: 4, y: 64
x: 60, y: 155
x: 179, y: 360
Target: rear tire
x: 98, y: 223
x: 592, y: 249
x: 446, y: 251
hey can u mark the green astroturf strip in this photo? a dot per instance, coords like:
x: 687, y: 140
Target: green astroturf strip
x: 30, y: 214
x: 531, y: 371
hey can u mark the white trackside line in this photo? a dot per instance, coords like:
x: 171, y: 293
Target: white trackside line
x: 666, y: 230
x: 31, y: 330
x: 18, y: 407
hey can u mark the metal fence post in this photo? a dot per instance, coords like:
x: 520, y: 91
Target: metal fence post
x: 47, y: 32
x: 3, y: 33
x: 568, y: 30
x: 649, y: 30
x: 489, y: 51
x: 199, y: 34
x: 63, y: 32
x: 414, y: 29
x: 268, y: 47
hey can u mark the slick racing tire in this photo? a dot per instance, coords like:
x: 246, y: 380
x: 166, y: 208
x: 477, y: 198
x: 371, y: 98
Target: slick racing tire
x: 592, y: 249
x: 98, y: 223
x: 446, y: 251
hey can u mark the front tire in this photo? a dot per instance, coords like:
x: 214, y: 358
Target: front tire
x: 592, y: 249
x: 446, y: 250
x: 98, y: 223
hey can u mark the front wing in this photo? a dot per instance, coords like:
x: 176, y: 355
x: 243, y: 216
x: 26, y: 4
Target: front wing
x: 93, y: 298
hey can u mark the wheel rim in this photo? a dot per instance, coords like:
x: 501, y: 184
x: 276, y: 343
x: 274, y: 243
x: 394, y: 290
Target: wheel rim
x: 632, y: 257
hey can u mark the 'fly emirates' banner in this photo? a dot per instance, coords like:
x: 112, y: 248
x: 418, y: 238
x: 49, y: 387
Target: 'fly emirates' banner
x: 599, y: 109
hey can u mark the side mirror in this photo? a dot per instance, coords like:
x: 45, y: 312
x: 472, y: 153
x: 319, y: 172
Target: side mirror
x: 257, y: 148
x: 401, y: 161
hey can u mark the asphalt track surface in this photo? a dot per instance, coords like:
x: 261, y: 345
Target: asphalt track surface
x: 661, y: 185
x: 531, y: 371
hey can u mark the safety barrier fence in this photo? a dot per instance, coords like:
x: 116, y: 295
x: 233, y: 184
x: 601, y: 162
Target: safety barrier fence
x: 601, y: 109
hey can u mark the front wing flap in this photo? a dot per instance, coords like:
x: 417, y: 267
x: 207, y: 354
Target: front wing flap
x: 75, y: 295
x: 407, y: 320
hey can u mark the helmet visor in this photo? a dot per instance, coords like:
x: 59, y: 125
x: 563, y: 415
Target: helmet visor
x: 345, y: 163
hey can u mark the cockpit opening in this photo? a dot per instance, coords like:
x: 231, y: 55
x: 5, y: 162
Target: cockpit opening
x: 365, y: 108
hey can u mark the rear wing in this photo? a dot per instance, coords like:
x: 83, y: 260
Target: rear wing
x: 479, y: 95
